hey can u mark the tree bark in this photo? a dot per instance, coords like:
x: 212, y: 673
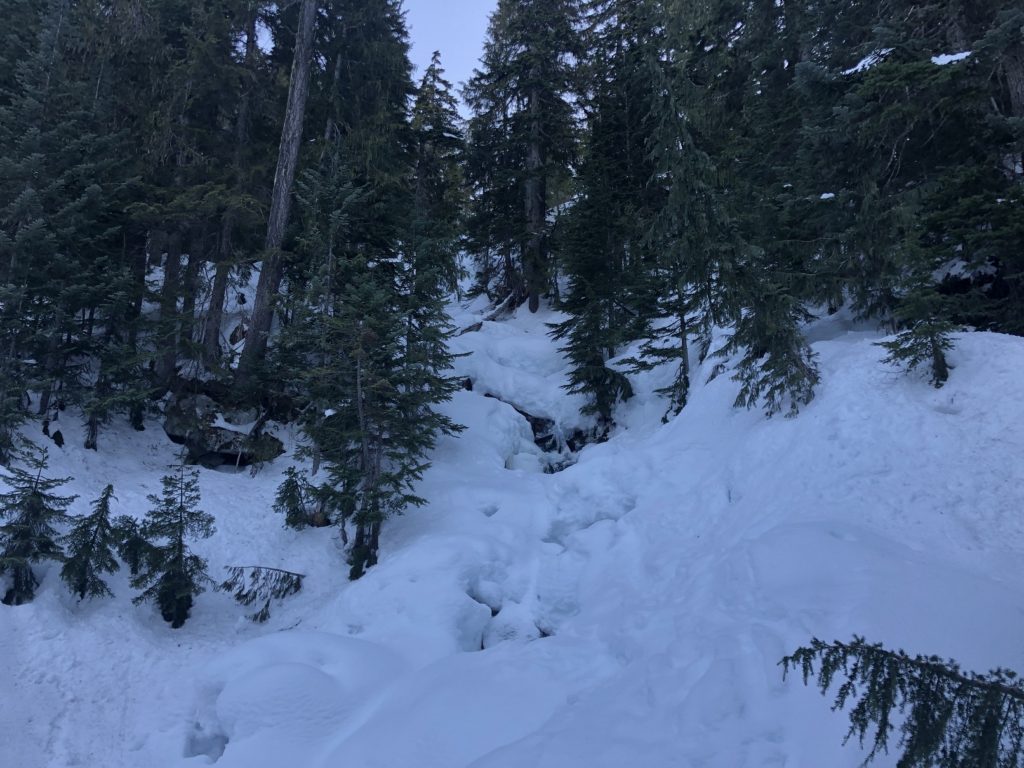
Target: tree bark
x: 287, y: 159
x: 218, y: 292
x: 536, y: 194
x: 215, y: 312
x: 196, y: 258
x: 168, y: 336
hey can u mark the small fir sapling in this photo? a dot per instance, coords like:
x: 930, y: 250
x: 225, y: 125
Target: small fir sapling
x: 90, y: 549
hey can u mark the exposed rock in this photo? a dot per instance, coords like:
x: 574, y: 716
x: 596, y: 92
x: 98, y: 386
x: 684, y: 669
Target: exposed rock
x: 240, y: 417
x: 188, y: 421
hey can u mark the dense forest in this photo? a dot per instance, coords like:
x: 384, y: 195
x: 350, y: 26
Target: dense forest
x: 253, y: 208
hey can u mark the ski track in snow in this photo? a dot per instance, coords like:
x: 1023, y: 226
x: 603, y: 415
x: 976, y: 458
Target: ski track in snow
x: 628, y: 611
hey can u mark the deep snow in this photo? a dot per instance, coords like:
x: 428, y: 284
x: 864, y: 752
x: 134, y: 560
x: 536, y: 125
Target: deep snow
x: 628, y: 611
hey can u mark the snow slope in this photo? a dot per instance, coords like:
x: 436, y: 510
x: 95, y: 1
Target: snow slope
x: 628, y: 611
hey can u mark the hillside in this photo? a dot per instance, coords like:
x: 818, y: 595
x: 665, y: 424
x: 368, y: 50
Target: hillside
x: 629, y: 610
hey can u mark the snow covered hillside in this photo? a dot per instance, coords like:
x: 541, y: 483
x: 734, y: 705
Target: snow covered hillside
x: 630, y: 610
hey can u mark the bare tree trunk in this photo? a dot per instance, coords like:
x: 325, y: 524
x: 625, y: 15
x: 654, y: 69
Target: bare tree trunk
x: 196, y: 258
x: 534, y: 271
x: 1013, y: 69
x: 168, y: 335
x: 218, y: 292
x: 287, y: 159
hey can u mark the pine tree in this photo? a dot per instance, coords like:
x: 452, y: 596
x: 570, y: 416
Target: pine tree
x: 90, y: 550
x: 522, y: 143
x: 950, y: 718
x: 171, y: 575
x: 28, y: 535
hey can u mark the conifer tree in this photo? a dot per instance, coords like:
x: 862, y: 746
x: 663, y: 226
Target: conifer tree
x: 302, y: 503
x: 604, y: 246
x: 31, y: 514
x: 438, y: 197
x: 132, y: 545
x: 522, y: 142
x: 917, y: 225
x: 90, y: 549
x: 366, y: 341
x: 171, y: 575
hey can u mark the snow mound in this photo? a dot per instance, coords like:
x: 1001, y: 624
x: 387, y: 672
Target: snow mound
x: 630, y: 610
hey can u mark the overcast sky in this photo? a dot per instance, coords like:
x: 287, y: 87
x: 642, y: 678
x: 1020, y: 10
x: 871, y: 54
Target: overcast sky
x: 454, y: 27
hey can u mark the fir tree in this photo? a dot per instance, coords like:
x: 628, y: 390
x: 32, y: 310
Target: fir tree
x: 603, y: 244
x: 366, y: 345
x: 438, y: 198
x: 302, y: 503
x: 522, y: 142
x: 90, y: 550
x: 132, y: 545
x: 171, y: 575
x: 28, y: 535
x: 951, y: 718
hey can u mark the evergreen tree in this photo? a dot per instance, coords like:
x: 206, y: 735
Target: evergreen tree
x: 365, y: 345
x: 302, y: 503
x: 28, y: 535
x: 917, y: 149
x: 951, y: 719
x: 522, y: 143
x: 90, y: 550
x: 171, y: 575
x: 605, y: 251
x: 132, y: 545
x: 438, y: 198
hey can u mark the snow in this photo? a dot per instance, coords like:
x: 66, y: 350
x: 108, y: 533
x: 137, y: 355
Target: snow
x: 630, y: 610
x: 828, y: 196
x: 950, y: 58
x: 868, y: 61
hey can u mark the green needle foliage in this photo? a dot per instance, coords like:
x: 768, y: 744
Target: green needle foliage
x: 171, y: 575
x: 945, y: 718
x: 132, y: 546
x: 90, y: 550
x: 31, y: 514
x: 253, y: 583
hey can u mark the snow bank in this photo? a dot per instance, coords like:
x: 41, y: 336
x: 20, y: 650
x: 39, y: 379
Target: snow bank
x: 628, y: 611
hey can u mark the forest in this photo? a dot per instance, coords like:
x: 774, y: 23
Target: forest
x: 218, y: 216
x: 702, y: 177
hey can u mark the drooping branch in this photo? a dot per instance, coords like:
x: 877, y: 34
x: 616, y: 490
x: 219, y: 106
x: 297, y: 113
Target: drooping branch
x: 945, y: 717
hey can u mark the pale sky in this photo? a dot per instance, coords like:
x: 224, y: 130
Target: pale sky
x: 455, y: 27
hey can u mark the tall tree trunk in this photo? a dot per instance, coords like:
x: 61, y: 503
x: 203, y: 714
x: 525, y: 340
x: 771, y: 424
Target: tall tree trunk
x: 167, y: 350
x: 287, y: 159
x: 189, y: 286
x: 219, y: 290
x: 215, y: 313
x: 534, y: 271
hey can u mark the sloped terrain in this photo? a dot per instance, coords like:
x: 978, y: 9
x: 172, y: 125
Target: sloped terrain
x: 630, y: 610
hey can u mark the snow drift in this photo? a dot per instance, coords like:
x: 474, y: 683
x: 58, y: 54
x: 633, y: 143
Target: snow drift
x: 630, y: 610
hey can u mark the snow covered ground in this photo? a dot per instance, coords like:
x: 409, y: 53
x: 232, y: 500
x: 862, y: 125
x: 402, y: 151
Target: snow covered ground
x: 628, y: 611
